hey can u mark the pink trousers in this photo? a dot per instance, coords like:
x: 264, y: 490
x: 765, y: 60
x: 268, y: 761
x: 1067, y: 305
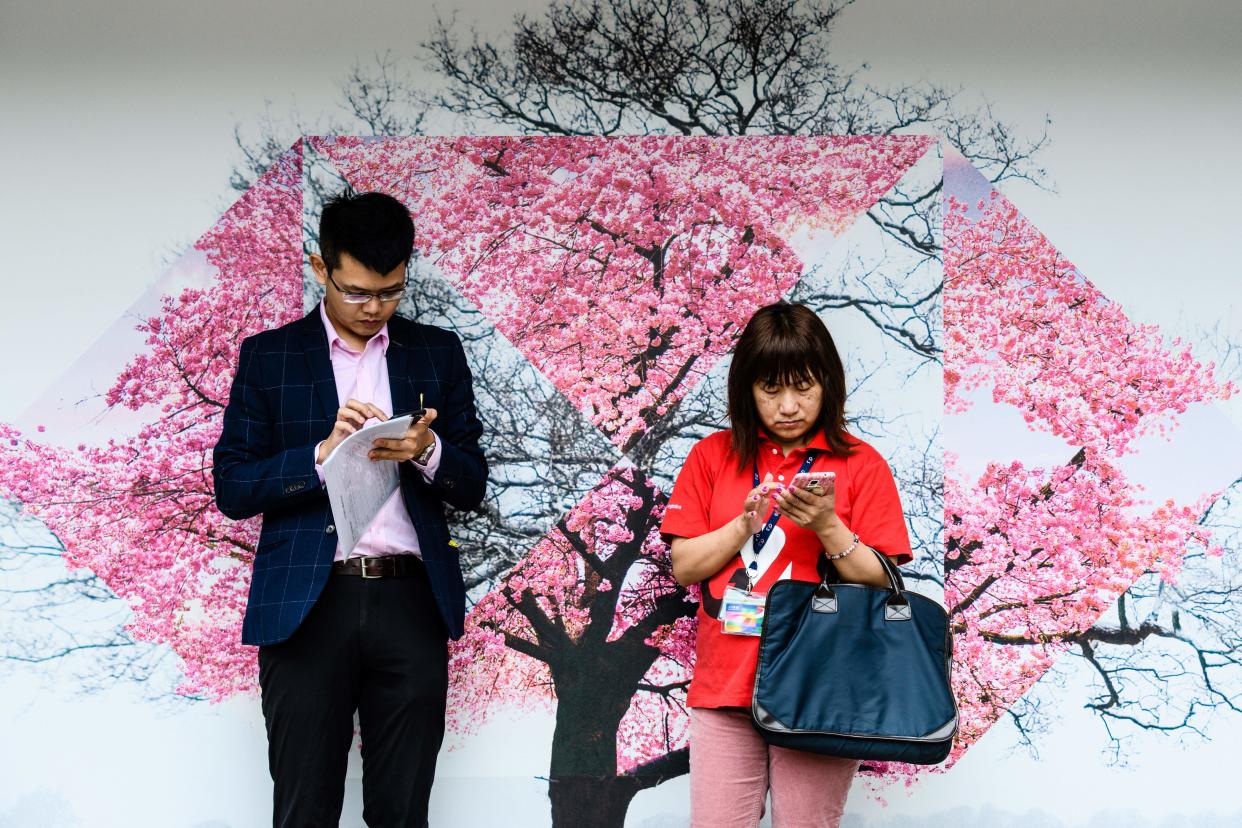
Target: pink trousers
x: 732, y: 770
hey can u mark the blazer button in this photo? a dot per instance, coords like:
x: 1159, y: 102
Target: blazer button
x: 330, y: 529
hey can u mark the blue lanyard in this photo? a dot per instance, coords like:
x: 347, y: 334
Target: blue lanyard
x: 761, y: 537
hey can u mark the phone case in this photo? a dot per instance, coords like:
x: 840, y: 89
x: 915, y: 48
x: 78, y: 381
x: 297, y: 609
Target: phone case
x: 815, y: 482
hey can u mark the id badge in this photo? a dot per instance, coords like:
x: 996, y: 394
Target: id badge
x: 741, y: 613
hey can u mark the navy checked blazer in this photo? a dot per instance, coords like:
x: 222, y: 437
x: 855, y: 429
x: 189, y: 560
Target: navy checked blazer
x: 283, y: 403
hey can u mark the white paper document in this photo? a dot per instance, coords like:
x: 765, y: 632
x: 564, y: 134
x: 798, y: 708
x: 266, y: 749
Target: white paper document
x: 358, y: 486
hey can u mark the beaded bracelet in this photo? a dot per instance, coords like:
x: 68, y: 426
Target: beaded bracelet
x: 841, y: 555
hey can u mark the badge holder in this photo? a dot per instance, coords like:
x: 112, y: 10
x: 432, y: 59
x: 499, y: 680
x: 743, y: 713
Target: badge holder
x: 741, y: 613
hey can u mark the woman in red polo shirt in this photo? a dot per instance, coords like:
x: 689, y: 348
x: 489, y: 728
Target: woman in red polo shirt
x: 734, y: 522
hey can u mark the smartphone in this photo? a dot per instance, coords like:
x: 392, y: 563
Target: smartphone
x: 817, y: 483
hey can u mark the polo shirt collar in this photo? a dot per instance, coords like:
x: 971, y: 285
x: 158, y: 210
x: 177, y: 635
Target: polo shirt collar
x: 818, y: 441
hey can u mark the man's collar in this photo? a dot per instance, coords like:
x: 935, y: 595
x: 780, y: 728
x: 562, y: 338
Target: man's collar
x: 334, y: 338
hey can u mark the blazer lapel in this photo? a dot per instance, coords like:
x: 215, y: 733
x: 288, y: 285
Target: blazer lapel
x: 315, y: 345
x: 398, y: 359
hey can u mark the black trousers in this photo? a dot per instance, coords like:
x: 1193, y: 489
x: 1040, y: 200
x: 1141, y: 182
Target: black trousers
x: 377, y: 646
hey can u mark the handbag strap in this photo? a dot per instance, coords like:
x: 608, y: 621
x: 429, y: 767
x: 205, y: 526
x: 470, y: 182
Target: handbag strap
x: 896, y: 606
x: 895, y: 582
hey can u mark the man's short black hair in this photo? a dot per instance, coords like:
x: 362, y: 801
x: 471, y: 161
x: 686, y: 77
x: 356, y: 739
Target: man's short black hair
x: 373, y: 228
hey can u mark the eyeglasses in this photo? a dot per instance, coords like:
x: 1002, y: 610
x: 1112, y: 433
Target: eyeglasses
x: 362, y: 298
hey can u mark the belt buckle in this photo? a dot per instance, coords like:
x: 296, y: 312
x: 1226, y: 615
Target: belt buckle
x: 362, y: 563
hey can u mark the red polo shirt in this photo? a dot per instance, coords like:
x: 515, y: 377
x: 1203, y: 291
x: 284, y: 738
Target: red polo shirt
x: 709, y: 493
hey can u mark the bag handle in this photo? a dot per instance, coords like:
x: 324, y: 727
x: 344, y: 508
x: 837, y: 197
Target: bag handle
x: 896, y: 606
x: 896, y: 584
x: 895, y: 581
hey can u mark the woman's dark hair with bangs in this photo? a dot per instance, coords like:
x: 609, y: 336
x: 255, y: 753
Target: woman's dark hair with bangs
x: 785, y: 344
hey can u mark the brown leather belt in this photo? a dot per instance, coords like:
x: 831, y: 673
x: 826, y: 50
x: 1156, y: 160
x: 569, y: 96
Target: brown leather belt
x: 380, y: 566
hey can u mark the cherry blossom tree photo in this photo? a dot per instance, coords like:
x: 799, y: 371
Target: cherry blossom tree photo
x: 629, y: 182
x: 1035, y: 556
x: 625, y: 324
x: 622, y: 324
x: 138, y: 511
x: 623, y: 268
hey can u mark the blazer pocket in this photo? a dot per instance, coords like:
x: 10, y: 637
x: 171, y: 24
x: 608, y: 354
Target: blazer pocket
x: 266, y: 548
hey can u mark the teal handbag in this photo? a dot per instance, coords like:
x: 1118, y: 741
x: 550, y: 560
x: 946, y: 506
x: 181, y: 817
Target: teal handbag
x: 856, y: 671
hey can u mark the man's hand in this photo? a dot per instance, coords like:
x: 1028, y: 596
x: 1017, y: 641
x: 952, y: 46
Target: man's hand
x: 349, y: 418
x: 416, y: 439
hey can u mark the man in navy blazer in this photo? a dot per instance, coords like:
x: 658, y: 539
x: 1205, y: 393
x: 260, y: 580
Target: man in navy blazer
x: 365, y: 631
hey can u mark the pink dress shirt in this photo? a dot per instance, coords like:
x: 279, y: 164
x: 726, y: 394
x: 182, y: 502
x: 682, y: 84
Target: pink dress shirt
x: 364, y: 377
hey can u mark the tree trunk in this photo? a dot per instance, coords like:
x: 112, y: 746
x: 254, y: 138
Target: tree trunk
x: 580, y: 801
x: 583, y: 784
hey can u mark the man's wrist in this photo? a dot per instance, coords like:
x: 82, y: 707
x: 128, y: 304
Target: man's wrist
x: 425, y: 455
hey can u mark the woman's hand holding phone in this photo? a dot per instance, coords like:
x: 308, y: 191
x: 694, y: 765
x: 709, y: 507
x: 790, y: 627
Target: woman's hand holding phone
x: 810, y: 501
